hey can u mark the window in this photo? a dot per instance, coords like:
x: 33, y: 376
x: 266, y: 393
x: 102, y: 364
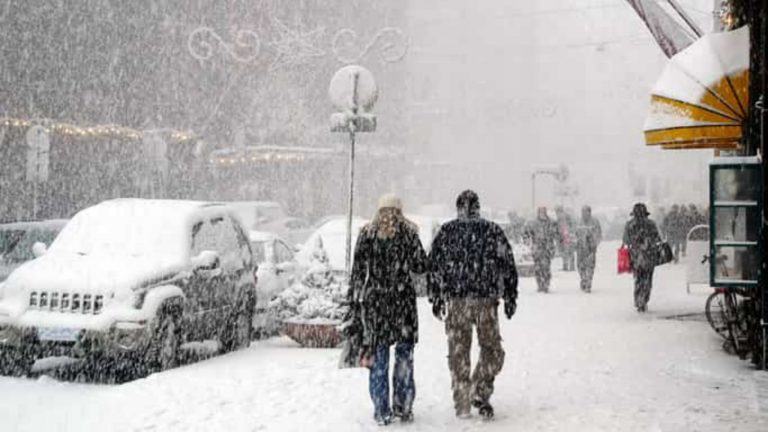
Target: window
x: 282, y: 252
x: 203, y: 238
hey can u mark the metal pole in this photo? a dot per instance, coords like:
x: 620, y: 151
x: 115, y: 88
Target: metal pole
x: 350, y: 210
x: 35, y: 179
x: 533, y: 192
x: 34, y: 199
x: 760, y: 13
x: 348, y: 262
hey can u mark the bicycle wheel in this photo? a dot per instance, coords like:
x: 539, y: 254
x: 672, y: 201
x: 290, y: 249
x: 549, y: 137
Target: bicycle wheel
x: 738, y: 325
x: 717, y: 313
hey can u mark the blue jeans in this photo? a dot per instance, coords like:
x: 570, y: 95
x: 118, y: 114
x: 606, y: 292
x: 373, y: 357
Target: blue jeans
x: 402, y: 380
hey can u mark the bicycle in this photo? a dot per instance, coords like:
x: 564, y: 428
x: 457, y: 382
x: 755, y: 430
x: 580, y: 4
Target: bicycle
x: 727, y: 313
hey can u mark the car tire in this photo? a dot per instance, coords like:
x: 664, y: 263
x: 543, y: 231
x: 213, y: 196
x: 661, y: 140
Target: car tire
x: 238, y: 330
x: 15, y: 362
x: 166, y: 340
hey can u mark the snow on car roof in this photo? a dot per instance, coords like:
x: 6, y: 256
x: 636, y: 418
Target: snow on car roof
x: 333, y: 233
x: 136, y: 227
x: 261, y: 236
x: 42, y: 224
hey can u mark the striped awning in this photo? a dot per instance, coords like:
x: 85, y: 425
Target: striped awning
x: 701, y: 100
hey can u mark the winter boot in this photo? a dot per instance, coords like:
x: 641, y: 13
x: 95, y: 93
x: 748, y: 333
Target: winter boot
x: 404, y: 416
x: 484, y: 408
x: 463, y: 415
x: 383, y: 420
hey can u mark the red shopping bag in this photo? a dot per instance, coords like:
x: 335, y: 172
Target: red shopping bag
x: 624, y: 261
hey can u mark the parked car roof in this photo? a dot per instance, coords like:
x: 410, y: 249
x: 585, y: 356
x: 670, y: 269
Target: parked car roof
x: 133, y: 227
x: 261, y: 236
x: 334, y: 235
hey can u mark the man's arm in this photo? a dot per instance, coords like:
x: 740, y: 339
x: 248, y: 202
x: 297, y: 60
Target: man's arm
x: 434, y: 262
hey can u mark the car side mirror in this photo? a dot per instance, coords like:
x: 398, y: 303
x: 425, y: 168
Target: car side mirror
x: 206, y: 260
x: 39, y: 249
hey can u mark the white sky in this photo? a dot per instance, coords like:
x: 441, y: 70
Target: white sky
x: 499, y: 86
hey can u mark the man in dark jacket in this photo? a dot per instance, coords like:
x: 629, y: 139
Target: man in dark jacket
x: 588, y: 237
x: 641, y: 237
x: 542, y: 233
x: 387, y: 253
x: 471, y: 267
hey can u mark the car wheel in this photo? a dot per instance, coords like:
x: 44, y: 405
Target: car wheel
x: 15, y: 362
x: 239, y: 328
x: 166, y: 341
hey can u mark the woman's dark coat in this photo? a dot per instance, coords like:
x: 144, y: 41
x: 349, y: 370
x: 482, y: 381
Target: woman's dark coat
x: 382, y: 287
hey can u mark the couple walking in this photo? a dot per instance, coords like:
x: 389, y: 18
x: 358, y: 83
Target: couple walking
x: 469, y: 268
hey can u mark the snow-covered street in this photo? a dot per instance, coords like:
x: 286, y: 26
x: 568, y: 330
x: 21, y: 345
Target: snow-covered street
x: 575, y: 362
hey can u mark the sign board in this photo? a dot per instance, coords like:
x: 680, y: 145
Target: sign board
x: 353, y: 88
x: 346, y: 122
x: 38, y: 154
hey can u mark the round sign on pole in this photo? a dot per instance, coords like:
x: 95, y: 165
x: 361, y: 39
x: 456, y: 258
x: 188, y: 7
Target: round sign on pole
x: 353, y: 87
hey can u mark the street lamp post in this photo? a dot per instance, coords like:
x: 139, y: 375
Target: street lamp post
x: 353, y: 92
x: 559, y: 172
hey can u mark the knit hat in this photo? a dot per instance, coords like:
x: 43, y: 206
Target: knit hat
x: 390, y: 200
x: 639, y: 210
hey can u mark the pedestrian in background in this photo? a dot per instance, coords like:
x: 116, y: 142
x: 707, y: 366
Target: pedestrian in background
x: 641, y: 237
x: 673, y: 227
x: 588, y: 237
x: 471, y: 267
x: 387, y: 253
x: 541, y: 233
x: 565, y: 239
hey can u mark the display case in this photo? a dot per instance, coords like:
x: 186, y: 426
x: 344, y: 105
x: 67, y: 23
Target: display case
x: 736, y: 203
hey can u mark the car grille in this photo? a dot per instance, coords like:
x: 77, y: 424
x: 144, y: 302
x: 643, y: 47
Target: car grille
x: 66, y: 302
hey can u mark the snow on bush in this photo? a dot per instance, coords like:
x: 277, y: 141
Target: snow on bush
x: 317, y: 298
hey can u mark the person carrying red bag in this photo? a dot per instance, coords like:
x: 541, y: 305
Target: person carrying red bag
x: 641, y: 236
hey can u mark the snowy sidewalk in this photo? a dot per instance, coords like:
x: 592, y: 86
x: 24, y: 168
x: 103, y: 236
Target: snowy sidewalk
x: 575, y: 362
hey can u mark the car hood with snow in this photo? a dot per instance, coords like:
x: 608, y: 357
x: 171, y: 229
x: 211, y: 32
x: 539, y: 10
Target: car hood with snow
x: 112, y: 279
x: 98, y: 261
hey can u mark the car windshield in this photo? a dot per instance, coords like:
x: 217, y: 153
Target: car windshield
x: 22, y: 250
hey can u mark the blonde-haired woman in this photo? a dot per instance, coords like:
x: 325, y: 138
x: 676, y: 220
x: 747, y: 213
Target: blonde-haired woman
x: 387, y: 254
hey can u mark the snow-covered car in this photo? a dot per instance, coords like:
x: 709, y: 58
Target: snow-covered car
x: 269, y: 216
x: 278, y: 267
x: 132, y: 279
x: 18, y: 240
x: 523, y: 259
x: 332, y: 232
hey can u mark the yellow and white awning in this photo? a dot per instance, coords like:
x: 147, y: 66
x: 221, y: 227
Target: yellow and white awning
x: 701, y: 99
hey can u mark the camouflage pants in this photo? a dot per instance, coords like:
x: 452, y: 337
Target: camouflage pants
x: 542, y: 269
x: 585, y: 261
x: 463, y: 314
